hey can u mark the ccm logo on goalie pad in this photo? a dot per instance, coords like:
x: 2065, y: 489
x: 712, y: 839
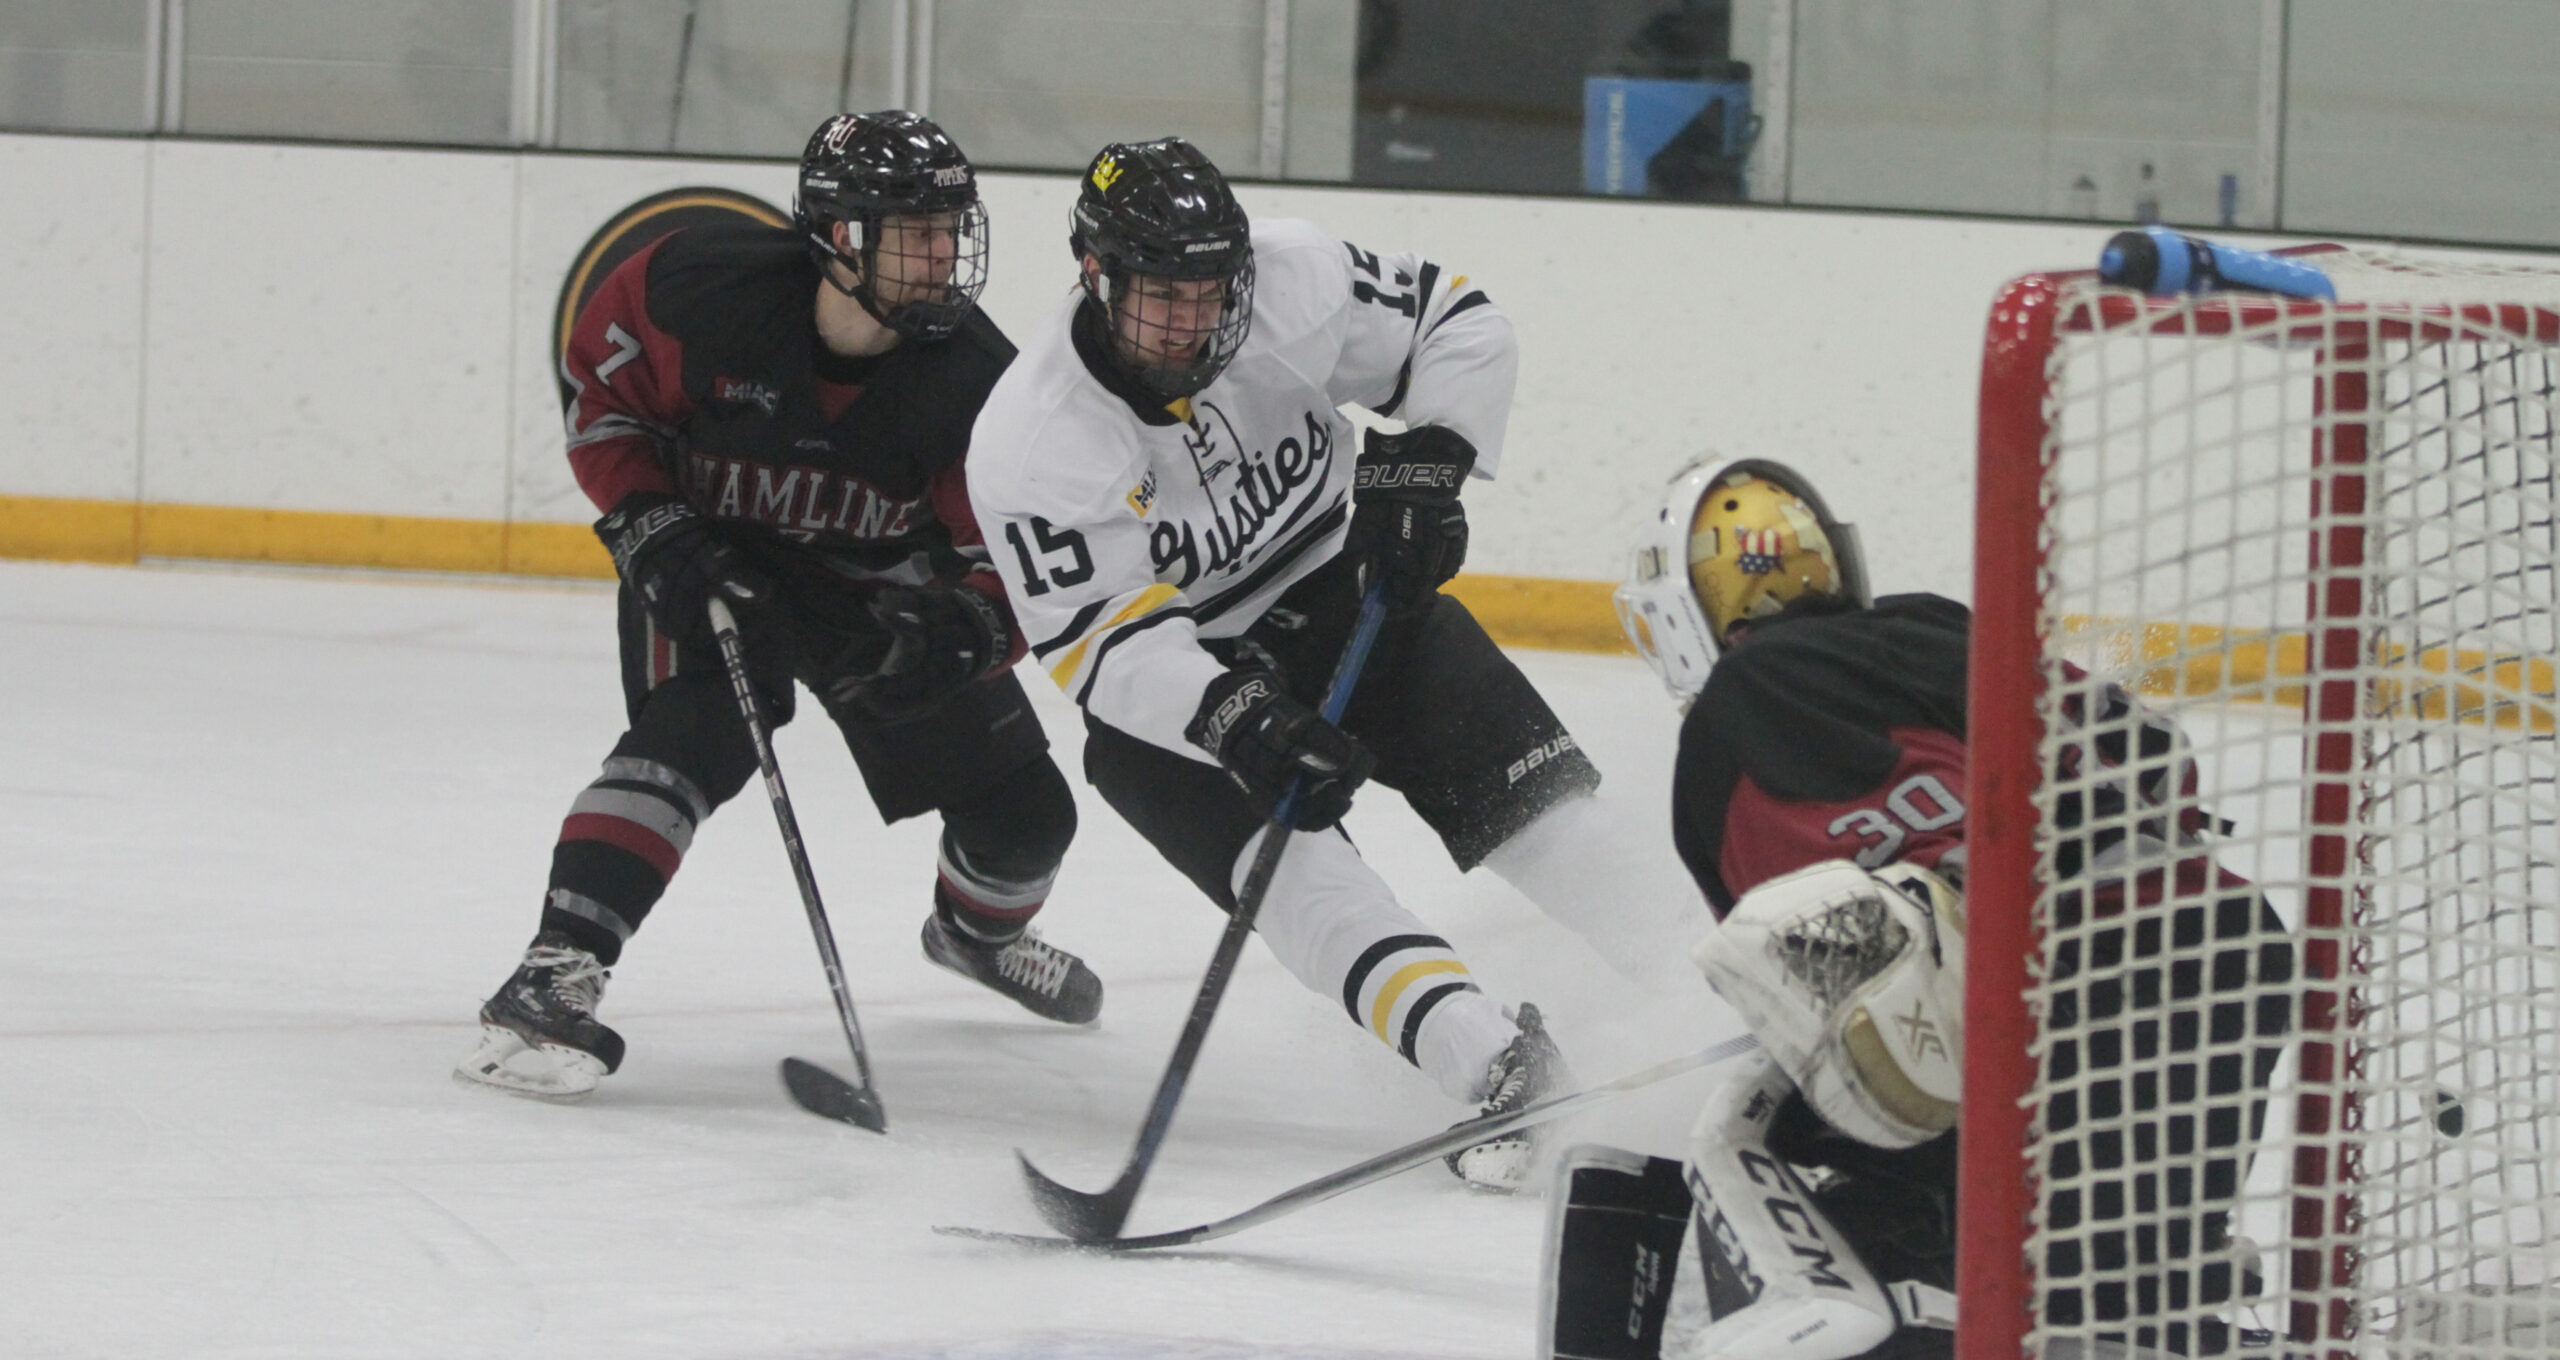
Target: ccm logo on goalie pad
x: 1649, y: 1282
x: 1781, y: 1280
x: 1615, y: 1254
x: 1814, y: 1259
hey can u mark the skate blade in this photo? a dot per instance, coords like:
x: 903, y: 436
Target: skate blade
x: 1045, y: 1009
x: 505, y: 1062
x: 1497, y: 1168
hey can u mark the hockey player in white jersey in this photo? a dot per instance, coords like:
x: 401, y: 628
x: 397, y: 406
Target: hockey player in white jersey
x: 1170, y: 491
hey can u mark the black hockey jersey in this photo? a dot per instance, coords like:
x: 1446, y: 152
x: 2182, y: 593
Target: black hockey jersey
x: 697, y: 370
x: 1826, y: 736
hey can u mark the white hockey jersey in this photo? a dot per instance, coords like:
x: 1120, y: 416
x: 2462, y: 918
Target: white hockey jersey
x: 1125, y: 535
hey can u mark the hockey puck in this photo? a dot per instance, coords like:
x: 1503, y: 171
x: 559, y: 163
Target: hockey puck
x: 2448, y: 1113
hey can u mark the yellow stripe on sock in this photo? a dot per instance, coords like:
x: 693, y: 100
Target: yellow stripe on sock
x: 1385, y: 1005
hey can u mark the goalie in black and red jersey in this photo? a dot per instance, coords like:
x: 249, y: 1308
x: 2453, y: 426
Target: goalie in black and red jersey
x: 778, y: 418
x: 1818, y: 801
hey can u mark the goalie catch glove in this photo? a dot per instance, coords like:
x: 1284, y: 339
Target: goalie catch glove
x: 675, y: 561
x: 1406, y: 522
x: 1855, y: 983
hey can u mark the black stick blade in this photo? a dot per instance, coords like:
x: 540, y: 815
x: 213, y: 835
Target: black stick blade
x: 829, y: 1096
x: 1109, y: 1246
x: 1033, y: 1240
x: 1087, y: 1220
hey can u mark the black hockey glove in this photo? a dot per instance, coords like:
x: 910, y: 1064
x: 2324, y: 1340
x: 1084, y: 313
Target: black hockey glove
x: 1405, y: 518
x: 927, y: 646
x: 1264, y: 738
x: 675, y: 561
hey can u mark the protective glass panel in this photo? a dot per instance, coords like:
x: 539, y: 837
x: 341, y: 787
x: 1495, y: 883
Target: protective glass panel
x: 2064, y: 108
x: 74, y: 65
x: 437, y: 71
x: 749, y: 78
x: 1048, y: 82
x: 2427, y: 120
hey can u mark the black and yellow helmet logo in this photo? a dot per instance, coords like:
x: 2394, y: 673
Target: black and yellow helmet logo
x: 1106, y: 172
x: 630, y: 231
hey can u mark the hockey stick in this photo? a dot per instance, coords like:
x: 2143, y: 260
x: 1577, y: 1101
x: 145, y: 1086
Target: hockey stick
x: 1390, y: 1163
x: 817, y: 1090
x: 1096, y: 1217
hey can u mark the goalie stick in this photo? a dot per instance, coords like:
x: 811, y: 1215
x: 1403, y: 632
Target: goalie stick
x: 1385, y: 1164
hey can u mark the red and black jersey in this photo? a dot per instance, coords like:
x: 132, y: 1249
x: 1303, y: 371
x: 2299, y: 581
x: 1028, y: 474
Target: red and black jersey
x: 1826, y: 736
x: 696, y: 370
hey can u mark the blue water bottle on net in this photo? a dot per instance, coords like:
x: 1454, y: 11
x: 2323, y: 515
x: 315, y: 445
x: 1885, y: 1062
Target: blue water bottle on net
x: 2162, y: 263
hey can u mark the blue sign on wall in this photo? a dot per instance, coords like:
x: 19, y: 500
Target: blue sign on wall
x: 1627, y: 123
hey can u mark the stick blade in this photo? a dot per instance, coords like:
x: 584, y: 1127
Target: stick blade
x: 1112, y: 1246
x: 1086, y: 1220
x: 1011, y: 1239
x: 828, y: 1096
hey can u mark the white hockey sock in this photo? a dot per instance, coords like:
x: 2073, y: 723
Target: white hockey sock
x: 1335, y: 925
x: 1459, y: 1041
x: 1591, y: 867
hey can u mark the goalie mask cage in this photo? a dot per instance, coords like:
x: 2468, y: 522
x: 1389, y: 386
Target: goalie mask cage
x: 2265, y: 591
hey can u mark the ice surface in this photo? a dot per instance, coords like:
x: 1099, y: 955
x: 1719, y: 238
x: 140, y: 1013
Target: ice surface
x: 271, y: 836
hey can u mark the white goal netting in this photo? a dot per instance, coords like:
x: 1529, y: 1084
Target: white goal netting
x: 2295, y: 1005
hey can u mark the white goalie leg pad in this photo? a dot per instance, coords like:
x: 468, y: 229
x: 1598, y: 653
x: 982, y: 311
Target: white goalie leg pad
x: 1617, y: 1254
x: 1782, y: 1282
x: 1855, y: 983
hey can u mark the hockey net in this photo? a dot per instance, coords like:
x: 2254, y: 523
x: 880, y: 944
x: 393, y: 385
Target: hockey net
x: 2263, y: 1031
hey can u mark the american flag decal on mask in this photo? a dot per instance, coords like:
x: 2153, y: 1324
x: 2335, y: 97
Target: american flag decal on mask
x: 1757, y: 550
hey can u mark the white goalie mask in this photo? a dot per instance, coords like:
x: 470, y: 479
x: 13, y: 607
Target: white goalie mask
x: 1731, y: 540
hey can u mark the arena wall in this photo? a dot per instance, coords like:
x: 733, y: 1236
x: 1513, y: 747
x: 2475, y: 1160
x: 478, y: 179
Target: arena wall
x: 339, y: 355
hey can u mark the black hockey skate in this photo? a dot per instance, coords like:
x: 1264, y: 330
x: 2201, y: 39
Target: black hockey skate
x: 1047, y: 981
x: 539, y: 1035
x: 1529, y: 1070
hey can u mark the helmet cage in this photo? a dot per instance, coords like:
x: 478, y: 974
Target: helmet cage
x: 869, y: 170
x: 929, y: 310
x: 1659, y: 608
x: 1171, y: 218
x: 1137, y: 339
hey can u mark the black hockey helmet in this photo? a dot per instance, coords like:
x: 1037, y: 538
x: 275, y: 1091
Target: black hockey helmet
x: 865, y: 168
x: 1160, y: 210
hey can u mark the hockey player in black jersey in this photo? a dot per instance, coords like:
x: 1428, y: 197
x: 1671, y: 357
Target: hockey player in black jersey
x: 1818, y: 798
x: 778, y: 418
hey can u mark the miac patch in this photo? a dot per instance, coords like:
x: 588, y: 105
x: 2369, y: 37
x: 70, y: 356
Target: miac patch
x: 630, y: 231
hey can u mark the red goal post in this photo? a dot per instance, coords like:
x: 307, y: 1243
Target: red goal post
x: 2322, y: 537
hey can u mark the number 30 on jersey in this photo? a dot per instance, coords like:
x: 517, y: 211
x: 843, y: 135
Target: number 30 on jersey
x: 1921, y: 803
